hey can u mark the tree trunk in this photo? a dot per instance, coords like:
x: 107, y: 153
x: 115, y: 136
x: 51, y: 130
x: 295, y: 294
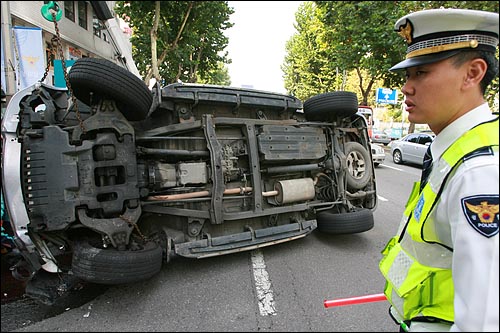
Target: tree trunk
x: 411, y: 128
x: 173, y: 45
x: 154, y: 35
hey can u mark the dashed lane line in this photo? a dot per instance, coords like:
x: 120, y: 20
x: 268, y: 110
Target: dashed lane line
x: 265, y: 294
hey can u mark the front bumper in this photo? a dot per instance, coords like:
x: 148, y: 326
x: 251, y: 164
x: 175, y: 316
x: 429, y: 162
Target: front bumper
x: 378, y: 158
x: 11, y: 171
x: 378, y: 153
x: 37, y: 255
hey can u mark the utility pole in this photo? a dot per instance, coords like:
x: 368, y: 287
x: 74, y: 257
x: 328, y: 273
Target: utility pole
x: 9, y: 86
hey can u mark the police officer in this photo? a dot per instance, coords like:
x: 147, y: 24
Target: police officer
x: 441, y: 268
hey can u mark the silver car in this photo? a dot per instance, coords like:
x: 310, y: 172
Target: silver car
x: 411, y: 148
x: 380, y: 137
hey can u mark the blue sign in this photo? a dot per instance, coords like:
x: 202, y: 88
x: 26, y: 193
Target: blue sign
x: 30, y: 62
x: 386, y: 96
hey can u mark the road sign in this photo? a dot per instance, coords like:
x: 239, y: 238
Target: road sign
x: 386, y: 96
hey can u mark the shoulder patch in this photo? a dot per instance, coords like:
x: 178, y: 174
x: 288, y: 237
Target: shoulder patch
x: 481, y: 212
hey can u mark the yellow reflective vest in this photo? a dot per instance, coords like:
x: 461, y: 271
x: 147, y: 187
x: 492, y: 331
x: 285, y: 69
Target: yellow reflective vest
x: 415, y: 263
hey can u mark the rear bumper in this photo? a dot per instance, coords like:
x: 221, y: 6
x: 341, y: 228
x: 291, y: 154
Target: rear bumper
x: 248, y: 240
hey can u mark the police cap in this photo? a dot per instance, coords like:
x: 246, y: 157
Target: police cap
x: 436, y: 34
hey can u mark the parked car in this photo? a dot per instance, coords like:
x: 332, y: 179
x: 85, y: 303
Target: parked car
x: 380, y: 137
x: 411, y: 148
x: 110, y: 183
x: 378, y: 154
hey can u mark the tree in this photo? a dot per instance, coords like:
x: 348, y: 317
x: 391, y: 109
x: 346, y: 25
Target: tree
x: 219, y: 75
x: 359, y: 37
x: 304, y: 69
x: 337, y: 37
x: 187, y: 38
x: 324, y: 52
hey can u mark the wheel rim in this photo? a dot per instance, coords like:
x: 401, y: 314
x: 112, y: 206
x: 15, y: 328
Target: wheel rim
x: 397, y: 157
x: 356, y: 165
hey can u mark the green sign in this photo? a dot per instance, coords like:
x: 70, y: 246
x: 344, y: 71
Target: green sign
x: 59, y: 80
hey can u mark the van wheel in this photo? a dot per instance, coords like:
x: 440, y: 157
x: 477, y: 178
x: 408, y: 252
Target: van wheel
x: 359, y: 171
x: 330, y: 106
x: 111, y: 266
x: 331, y: 222
x: 93, y: 79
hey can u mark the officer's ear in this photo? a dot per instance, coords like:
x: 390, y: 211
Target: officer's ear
x: 476, y: 70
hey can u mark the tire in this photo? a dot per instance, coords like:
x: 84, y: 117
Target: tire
x: 359, y: 171
x: 110, y: 266
x: 330, y: 222
x: 331, y: 105
x: 376, y: 164
x: 397, y: 157
x: 105, y: 79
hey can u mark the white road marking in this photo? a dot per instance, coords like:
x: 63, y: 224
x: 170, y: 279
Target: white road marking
x: 391, y: 167
x: 382, y: 198
x: 265, y: 294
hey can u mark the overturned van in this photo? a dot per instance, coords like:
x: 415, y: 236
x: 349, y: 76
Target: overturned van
x: 109, y: 180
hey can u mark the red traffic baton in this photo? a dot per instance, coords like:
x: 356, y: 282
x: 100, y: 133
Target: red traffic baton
x: 355, y: 300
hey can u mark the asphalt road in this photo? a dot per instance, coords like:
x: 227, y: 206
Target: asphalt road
x: 278, y: 288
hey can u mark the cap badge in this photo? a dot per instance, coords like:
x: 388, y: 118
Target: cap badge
x: 406, y: 32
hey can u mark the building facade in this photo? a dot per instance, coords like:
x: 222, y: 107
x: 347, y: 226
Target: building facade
x: 86, y: 29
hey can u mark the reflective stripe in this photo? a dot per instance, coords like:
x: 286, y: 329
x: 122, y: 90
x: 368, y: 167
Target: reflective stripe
x: 428, y: 254
x: 399, y: 269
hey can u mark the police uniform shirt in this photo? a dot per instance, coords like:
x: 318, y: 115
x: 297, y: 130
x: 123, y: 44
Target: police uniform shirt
x: 466, y: 217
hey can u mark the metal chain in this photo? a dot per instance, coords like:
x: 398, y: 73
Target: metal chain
x: 134, y: 225
x: 52, y: 57
x: 59, y: 48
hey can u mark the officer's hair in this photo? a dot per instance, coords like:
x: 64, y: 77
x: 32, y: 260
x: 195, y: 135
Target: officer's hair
x: 490, y: 59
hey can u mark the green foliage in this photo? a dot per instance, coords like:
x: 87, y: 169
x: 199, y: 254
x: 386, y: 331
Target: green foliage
x: 306, y: 68
x: 220, y: 76
x: 353, y: 43
x: 190, y: 38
